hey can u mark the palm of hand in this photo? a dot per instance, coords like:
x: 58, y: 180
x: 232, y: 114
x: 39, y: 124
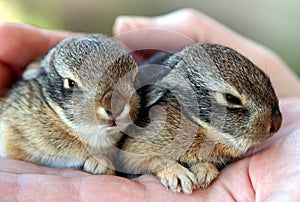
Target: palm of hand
x: 270, y: 174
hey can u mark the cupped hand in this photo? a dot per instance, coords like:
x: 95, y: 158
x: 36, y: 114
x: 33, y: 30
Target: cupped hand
x: 269, y: 175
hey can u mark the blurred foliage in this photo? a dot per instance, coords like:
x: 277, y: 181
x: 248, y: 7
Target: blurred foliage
x: 273, y: 23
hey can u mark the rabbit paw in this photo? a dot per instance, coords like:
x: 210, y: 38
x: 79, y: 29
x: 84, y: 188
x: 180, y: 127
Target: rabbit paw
x: 99, y: 165
x: 205, y: 173
x: 177, y: 178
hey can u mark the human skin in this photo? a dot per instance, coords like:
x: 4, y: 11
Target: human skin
x: 270, y: 175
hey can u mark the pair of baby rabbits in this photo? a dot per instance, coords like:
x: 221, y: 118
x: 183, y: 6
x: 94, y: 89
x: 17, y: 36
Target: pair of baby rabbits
x: 81, y: 109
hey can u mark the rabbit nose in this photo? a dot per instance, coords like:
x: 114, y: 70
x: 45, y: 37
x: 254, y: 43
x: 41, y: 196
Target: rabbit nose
x: 276, y: 122
x: 114, y: 114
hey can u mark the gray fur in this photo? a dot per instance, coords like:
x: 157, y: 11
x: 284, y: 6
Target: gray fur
x: 210, y: 109
x: 63, y: 114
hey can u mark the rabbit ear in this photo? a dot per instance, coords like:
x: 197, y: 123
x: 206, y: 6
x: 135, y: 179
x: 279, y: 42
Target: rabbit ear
x: 151, y: 73
x: 150, y: 94
x: 47, y: 62
x: 33, y: 69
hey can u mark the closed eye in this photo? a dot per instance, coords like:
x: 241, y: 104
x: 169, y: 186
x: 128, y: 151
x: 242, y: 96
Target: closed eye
x: 228, y: 100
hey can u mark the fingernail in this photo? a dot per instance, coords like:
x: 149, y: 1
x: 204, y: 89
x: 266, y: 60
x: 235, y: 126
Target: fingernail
x: 124, y: 24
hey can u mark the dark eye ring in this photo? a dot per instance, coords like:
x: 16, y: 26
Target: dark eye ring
x: 231, y: 99
x: 69, y: 83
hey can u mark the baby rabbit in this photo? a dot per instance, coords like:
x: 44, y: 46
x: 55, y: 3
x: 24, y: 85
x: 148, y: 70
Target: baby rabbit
x: 208, y: 111
x: 65, y: 114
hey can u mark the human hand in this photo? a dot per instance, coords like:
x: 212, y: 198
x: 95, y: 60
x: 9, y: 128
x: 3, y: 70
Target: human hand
x: 20, y: 44
x: 271, y: 174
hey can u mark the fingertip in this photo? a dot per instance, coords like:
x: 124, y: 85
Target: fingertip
x: 130, y: 23
x: 121, y: 25
x: 142, y: 33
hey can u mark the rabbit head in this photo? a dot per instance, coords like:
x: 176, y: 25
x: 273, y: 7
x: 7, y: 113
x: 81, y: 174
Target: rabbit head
x: 224, y: 93
x: 88, y: 82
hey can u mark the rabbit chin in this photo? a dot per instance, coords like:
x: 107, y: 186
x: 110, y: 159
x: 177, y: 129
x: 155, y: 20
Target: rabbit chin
x: 98, y: 136
x: 94, y: 133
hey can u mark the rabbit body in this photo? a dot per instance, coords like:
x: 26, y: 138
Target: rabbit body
x: 207, y: 112
x: 65, y: 113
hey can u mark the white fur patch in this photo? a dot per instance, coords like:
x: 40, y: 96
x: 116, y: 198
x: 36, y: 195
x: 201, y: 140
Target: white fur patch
x: 98, y: 136
x: 125, y: 112
x: 103, y: 113
x: 2, y: 154
x: 61, y: 162
x: 240, y: 145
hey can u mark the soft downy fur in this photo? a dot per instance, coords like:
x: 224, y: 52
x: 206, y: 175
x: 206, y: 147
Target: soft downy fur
x: 207, y: 112
x: 64, y: 114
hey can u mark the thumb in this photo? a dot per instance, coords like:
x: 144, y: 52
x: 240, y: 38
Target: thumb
x: 172, y: 31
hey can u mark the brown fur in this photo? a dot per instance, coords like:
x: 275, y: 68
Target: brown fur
x: 46, y: 121
x: 213, y: 106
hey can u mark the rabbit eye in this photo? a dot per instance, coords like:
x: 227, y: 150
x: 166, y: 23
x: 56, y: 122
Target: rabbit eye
x: 69, y: 83
x: 231, y: 99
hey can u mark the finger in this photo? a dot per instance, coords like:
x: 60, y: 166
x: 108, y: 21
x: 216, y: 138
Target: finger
x: 91, y: 188
x: 20, y: 167
x: 21, y: 43
x: 180, y: 28
x: 55, y: 188
x: 173, y: 30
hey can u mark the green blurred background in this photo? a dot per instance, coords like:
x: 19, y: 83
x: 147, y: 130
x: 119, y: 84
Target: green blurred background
x: 274, y: 23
